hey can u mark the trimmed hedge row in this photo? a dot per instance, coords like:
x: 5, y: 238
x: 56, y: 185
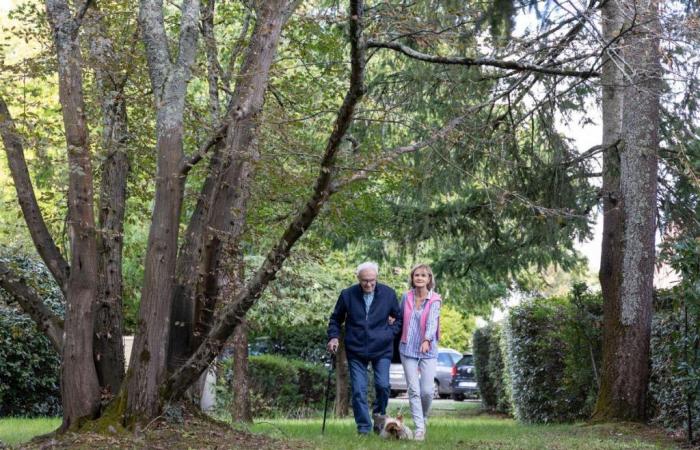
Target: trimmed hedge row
x: 491, y: 376
x: 306, y: 342
x: 542, y: 363
x: 551, y: 361
x: 278, y: 386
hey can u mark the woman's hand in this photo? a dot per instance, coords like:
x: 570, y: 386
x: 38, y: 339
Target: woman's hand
x: 425, y: 347
x: 391, y: 320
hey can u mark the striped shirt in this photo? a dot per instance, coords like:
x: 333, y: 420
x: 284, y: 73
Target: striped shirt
x: 411, y: 347
x: 368, y: 297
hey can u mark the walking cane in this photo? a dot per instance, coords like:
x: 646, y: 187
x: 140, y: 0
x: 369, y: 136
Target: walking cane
x: 328, y: 391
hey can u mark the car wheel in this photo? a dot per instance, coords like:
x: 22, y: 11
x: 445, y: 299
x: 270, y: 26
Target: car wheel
x: 458, y: 397
x: 436, y: 389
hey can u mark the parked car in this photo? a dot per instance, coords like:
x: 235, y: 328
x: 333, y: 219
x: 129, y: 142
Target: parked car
x: 464, y: 378
x: 447, y: 358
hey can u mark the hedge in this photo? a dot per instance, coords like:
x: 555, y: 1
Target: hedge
x: 29, y: 366
x: 278, y: 386
x: 553, y: 352
x: 306, y: 342
x: 491, y: 376
x: 670, y: 384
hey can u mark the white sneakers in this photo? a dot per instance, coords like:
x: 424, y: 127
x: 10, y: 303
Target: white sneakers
x: 419, y: 436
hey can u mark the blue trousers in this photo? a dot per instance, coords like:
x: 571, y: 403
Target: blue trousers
x: 358, y: 380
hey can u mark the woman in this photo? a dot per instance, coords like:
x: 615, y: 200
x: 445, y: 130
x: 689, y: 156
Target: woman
x: 419, y: 343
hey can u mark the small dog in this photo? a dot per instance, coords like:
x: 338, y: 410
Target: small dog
x: 394, y: 428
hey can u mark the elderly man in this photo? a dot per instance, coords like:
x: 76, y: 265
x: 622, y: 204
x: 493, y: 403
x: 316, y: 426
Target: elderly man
x: 370, y: 312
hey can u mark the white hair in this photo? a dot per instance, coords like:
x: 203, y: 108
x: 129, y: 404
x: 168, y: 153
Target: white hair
x: 367, y: 265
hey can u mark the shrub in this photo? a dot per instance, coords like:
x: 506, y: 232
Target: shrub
x: 278, y: 386
x: 29, y: 366
x: 553, y: 351
x: 674, y: 387
x: 490, y: 369
x: 306, y: 342
x: 668, y: 387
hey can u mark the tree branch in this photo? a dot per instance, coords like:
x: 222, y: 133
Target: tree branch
x: 216, y: 137
x: 48, y: 322
x: 43, y: 241
x: 151, y: 23
x: 80, y: 14
x: 392, y: 155
x: 491, y: 62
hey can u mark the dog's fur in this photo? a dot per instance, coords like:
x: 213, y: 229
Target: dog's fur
x: 394, y: 428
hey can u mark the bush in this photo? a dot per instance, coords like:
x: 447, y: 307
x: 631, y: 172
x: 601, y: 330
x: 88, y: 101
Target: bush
x: 306, y: 342
x: 29, y: 366
x: 667, y: 387
x: 553, y: 351
x: 278, y: 386
x: 490, y: 369
x: 672, y: 388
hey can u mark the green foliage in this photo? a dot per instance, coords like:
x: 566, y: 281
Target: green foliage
x: 669, y: 385
x: 675, y: 360
x: 278, y: 386
x: 553, y: 350
x: 307, y: 342
x: 455, y: 329
x: 491, y: 375
x: 29, y: 366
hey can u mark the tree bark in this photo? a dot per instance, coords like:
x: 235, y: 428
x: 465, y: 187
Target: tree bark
x: 108, y: 343
x: 79, y: 385
x: 169, y: 82
x: 219, y: 217
x: 240, y: 407
x: 630, y: 114
x: 232, y: 314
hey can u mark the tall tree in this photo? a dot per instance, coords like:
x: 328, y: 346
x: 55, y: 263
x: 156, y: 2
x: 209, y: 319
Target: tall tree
x: 79, y: 382
x: 631, y: 97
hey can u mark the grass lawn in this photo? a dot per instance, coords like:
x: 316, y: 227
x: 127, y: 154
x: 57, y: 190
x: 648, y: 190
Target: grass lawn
x: 461, y: 426
x: 15, y: 430
x: 452, y: 426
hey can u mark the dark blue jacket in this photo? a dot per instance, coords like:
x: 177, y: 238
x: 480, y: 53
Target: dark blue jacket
x: 367, y: 336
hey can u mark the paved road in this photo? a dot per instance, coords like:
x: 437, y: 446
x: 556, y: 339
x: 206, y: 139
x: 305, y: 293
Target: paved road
x: 445, y: 404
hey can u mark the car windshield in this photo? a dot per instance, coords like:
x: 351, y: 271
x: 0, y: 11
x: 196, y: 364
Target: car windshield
x: 467, y: 360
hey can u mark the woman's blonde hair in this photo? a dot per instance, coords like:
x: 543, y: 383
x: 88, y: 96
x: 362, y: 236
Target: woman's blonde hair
x: 431, y: 283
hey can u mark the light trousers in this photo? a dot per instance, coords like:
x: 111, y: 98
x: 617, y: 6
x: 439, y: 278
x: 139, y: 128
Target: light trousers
x: 420, y: 376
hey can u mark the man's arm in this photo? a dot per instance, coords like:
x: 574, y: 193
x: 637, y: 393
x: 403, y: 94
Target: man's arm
x: 335, y: 322
x: 397, y: 314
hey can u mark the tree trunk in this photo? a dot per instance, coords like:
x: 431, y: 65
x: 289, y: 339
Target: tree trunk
x: 231, y: 314
x: 169, y: 82
x: 108, y: 346
x: 240, y: 407
x: 79, y: 385
x: 342, y: 391
x: 219, y: 216
x: 630, y: 111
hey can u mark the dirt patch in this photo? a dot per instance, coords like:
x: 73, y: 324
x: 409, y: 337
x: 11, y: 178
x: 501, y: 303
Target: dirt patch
x: 186, y: 432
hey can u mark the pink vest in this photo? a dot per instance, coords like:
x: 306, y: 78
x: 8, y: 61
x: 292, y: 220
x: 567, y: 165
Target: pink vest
x: 408, y: 310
